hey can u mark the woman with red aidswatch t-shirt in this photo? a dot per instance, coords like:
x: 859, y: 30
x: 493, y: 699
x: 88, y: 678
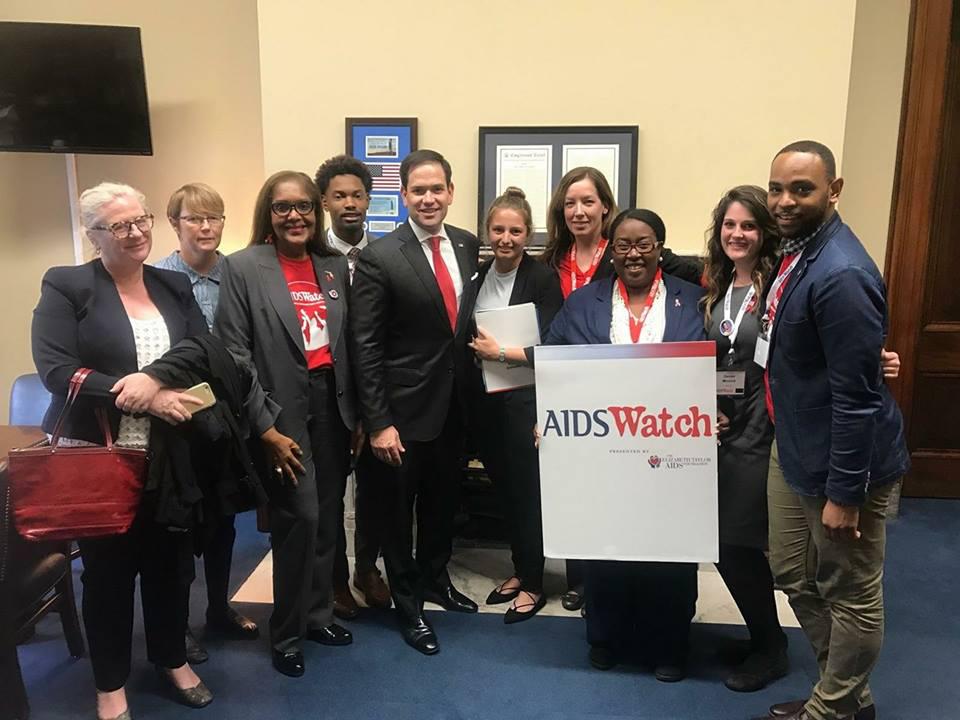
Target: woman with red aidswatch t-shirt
x: 283, y: 309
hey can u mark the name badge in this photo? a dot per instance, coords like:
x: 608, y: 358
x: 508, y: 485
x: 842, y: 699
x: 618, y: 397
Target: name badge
x: 761, y: 351
x: 731, y: 383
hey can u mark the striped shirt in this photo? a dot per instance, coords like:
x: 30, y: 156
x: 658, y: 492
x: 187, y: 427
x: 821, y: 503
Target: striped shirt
x: 206, y: 288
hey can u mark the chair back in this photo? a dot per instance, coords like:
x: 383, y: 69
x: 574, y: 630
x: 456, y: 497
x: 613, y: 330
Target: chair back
x: 29, y: 400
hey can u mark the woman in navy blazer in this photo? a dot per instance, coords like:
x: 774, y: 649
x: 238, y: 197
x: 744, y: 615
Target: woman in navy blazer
x: 115, y: 315
x: 502, y: 423
x: 655, y: 601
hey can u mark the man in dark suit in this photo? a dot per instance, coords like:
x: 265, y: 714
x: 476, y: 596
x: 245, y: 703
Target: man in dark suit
x: 839, y: 446
x: 345, y: 185
x: 412, y: 302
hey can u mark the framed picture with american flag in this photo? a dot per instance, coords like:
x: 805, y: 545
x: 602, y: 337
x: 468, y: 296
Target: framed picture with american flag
x: 381, y: 144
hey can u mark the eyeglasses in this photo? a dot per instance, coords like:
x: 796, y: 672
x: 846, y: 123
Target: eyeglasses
x: 303, y: 207
x: 623, y: 247
x: 199, y: 220
x: 122, y: 230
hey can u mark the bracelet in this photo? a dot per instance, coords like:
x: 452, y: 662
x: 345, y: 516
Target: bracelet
x: 503, y: 355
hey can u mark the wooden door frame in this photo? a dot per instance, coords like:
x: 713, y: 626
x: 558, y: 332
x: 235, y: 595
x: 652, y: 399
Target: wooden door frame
x: 913, y: 212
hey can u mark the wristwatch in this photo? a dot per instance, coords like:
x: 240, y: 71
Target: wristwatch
x: 503, y: 355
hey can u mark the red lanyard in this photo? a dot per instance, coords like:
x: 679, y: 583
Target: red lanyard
x: 636, y: 324
x: 601, y: 246
x: 779, y: 284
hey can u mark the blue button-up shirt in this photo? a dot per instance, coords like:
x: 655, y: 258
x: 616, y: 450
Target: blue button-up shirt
x: 206, y: 288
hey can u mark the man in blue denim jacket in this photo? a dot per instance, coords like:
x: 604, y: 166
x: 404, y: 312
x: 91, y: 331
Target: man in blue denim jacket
x: 839, y: 445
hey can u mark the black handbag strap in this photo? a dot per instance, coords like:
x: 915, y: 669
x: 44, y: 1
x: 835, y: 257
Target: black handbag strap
x: 76, y: 382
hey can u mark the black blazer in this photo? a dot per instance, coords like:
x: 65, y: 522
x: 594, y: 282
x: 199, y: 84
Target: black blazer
x: 405, y: 355
x: 80, y: 322
x: 535, y: 283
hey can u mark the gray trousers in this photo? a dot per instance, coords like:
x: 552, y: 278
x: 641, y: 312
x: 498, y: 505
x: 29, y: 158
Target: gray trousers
x: 835, y: 589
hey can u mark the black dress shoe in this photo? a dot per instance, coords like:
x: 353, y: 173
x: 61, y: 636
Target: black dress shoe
x: 289, y: 662
x: 602, y: 658
x: 449, y: 598
x: 800, y: 714
x: 758, y: 671
x: 790, y: 709
x: 233, y: 624
x: 332, y: 634
x: 572, y: 599
x: 420, y: 636
x: 196, y: 655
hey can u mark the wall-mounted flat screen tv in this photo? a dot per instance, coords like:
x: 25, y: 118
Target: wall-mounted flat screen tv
x: 72, y: 89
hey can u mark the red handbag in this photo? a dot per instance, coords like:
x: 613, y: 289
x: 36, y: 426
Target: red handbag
x: 64, y: 493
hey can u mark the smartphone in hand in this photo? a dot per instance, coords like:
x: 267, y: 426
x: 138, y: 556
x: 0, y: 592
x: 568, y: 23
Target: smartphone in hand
x: 204, y: 393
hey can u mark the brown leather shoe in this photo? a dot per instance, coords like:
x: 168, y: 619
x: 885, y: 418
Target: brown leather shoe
x: 374, y: 590
x: 789, y: 710
x: 344, y: 605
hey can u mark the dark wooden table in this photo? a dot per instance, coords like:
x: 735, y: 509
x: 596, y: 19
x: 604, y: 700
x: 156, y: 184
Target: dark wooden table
x: 14, y: 436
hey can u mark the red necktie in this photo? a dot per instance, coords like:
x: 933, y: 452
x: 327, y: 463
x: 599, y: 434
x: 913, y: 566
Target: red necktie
x: 445, y: 282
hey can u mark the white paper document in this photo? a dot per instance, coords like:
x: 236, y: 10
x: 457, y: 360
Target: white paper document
x: 513, y: 326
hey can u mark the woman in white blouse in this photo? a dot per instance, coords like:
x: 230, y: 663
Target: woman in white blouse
x: 116, y: 315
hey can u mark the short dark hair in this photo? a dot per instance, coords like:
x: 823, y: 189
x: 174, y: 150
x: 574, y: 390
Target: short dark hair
x: 342, y: 165
x: 422, y: 157
x: 643, y: 215
x: 815, y: 148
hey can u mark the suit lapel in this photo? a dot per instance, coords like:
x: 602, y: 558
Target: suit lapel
x: 275, y: 287
x: 413, y: 252
x: 519, y: 292
x: 673, y: 311
x: 332, y: 288
x: 117, y: 318
x: 468, y: 276
x: 167, y: 305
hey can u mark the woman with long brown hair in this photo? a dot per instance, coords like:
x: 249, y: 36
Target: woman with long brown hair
x: 283, y: 310
x: 741, y: 252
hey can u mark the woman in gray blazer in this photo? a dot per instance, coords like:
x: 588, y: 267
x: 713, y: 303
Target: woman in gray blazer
x: 283, y: 308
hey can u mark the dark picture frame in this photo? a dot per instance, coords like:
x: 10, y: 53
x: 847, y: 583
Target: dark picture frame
x: 541, y: 155
x: 381, y: 144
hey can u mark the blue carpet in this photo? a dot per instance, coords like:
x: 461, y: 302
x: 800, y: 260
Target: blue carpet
x: 538, y: 669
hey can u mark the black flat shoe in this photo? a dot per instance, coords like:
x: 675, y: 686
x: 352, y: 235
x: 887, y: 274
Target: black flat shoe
x: 602, y: 658
x: 288, y: 662
x: 420, y: 636
x: 524, y: 611
x: 449, y: 598
x: 196, y: 655
x: 572, y: 599
x: 233, y: 624
x: 758, y: 671
x: 498, y: 597
x: 332, y: 634
x: 197, y: 696
x: 670, y: 672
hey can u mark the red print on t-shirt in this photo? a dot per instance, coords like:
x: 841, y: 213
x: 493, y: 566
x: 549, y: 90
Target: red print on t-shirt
x: 311, y: 307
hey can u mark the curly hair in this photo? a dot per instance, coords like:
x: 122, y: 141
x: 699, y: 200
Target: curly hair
x: 342, y: 165
x: 718, y: 268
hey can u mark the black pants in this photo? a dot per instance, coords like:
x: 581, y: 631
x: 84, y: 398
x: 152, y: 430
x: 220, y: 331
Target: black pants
x: 646, y: 602
x: 217, y: 552
x: 303, y: 520
x: 746, y: 572
x: 369, y: 518
x: 503, y: 432
x: 428, y: 482
x: 164, y: 561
